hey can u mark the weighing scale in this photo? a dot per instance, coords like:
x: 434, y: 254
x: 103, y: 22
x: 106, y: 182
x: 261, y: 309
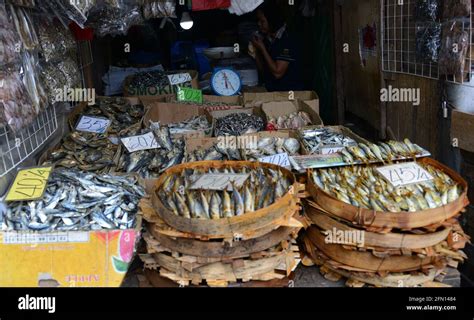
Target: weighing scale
x: 226, y: 82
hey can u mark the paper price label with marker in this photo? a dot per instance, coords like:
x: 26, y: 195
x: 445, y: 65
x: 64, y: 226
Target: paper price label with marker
x: 404, y: 174
x: 189, y: 95
x: 93, y: 124
x: 138, y: 143
x: 29, y: 184
x: 218, y: 182
x: 280, y: 159
x: 179, y: 78
x: 331, y: 150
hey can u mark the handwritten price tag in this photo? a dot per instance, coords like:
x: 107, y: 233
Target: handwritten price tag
x: 189, y: 95
x: 218, y: 181
x: 138, y: 143
x: 29, y: 184
x: 331, y: 150
x: 404, y: 174
x: 179, y: 78
x: 92, y: 124
x: 280, y: 159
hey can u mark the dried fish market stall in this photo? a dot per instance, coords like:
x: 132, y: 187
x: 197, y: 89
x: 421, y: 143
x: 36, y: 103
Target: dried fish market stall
x: 229, y: 144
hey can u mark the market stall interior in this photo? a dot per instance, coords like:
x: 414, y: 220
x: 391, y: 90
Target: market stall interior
x: 234, y: 143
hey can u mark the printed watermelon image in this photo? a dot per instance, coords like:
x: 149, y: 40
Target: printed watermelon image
x: 126, y: 247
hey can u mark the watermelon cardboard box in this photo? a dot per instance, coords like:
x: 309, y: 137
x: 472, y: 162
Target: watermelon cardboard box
x: 67, y: 259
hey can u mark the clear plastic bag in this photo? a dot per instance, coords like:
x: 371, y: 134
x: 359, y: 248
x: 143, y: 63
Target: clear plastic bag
x: 10, y: 44
x: 427, y: 10
x: 159, y: 9
x: 428, y: 42
x: 456, y: 9
x: 53, y: 79
x: 16, y: 110
x: 55, y: 40
x: 24, y: 27
x: 454, y: 48
x: 31, y: 79
x: 70, y: 70
x: 112, y: 20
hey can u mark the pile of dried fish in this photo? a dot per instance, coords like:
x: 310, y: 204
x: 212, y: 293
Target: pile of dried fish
x: 198, y: 123
x: 265, y: 147
x: 316, y: 139
x: 238, y: 124
x: 149, y: 79
x: 77, y: 201
x: 151, y: 163
x: 362, y: 187
x: 295, y: 120
x: 98, y: 152
x: 260, y: 190
x: 9, y: 42
x: 385, y: 152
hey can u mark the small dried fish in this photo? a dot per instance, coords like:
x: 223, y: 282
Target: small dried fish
x: 238, y: 124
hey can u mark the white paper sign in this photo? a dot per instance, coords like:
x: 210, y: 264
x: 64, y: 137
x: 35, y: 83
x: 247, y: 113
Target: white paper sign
x: 143, y: 142
x: 280, y: 159
x: 404, y: 174
x: 331, y: 150
x: 179, y: 78
x: 219, y: 181
x: 92, y: 124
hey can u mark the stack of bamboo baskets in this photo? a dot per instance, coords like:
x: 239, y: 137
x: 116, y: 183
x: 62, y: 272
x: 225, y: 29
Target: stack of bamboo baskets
x: 398, y: 249
x: 258, y: 247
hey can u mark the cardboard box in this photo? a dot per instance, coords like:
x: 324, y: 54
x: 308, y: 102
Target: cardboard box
x: 157, y: 90
x: 462, y: 131
x: 282, y: 108
x: 167, y: 113
x: 257, y: 99
x: 338, y: 129
x: 67, y: 259
x: 193, y: 144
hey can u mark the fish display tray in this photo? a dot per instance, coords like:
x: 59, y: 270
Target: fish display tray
x: 247, y: 226
x: 332, y: 271
x: 152, y: 278
x: 189, y: 270
x: 389, y: 220
x: 377, y: 241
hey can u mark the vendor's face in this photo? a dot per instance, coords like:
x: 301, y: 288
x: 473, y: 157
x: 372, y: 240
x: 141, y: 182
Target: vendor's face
x: 262, y: 23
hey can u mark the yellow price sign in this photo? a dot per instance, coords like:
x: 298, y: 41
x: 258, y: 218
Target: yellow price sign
x: 29, y: 184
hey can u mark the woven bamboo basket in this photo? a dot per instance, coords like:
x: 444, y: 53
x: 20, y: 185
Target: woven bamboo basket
x: 402, y: 220
x: 246, y: 226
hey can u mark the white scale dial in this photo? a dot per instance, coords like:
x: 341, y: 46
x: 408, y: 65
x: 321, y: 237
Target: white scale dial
x: 226, y: 82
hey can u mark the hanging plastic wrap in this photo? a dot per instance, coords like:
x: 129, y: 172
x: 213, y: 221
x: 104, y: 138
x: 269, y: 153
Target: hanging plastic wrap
x: 24, y: 3
x: 428, y: 42
x: 55, y: 40
x: 454, y: 49
x: 10, y: 44
x: 159, y: 9
x: 456, y: 9
x: 16, y: 110
x: 427, y: 10
x: 71, y: 72
x: 115, y: 18
x: 53, y: 79
x: 31, y: 80
x: 24, y: 27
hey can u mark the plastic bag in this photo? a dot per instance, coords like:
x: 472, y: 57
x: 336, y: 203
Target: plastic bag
x: 24, y: 27
x: 428, y: 42
x: 53, y: 79
x: 24, y: 3
x: 16, y: 110
x: 110, y: 20
x: 55, y: 40
x: 200, y: 5
x: 427, y: 10
x: 452, y: 58
x: 10, y: 44
x: 159, y: 9
x: 31, y: 79
x: 456, y: 8
x: 71, y: 72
